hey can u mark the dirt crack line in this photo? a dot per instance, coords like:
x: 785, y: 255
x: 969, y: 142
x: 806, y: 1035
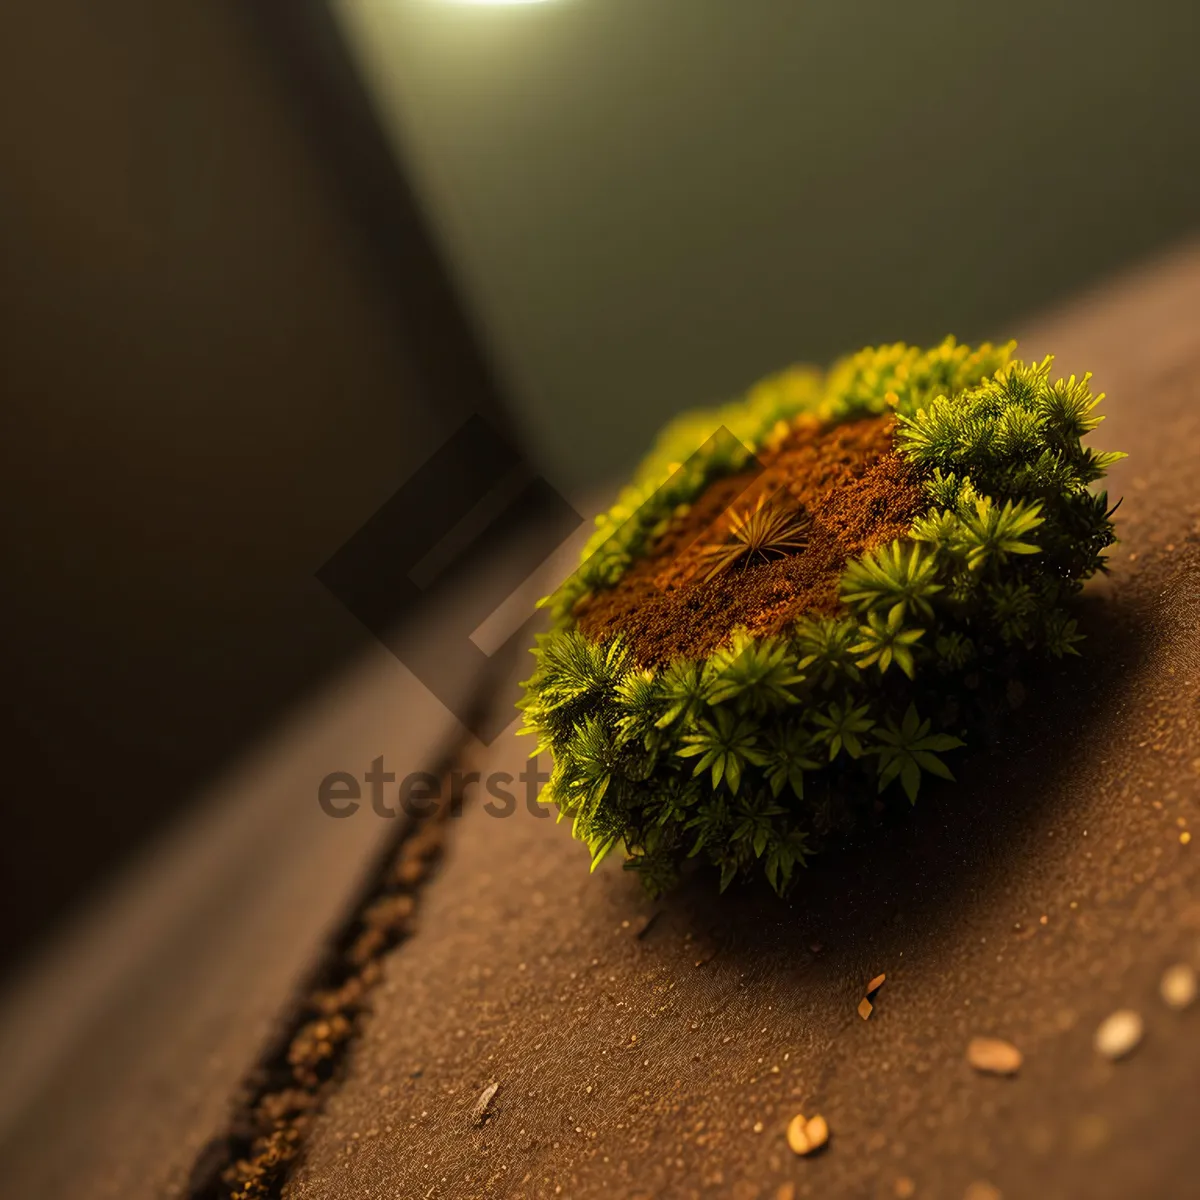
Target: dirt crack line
x: 295, y: 1076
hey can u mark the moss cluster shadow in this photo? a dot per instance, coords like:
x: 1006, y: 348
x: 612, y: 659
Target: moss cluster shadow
x: 924, y: 866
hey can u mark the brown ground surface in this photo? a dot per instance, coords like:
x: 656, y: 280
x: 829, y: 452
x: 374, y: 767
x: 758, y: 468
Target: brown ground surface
x: 858, y: 494
x: 124, y: 1047
x: 1047, y: 889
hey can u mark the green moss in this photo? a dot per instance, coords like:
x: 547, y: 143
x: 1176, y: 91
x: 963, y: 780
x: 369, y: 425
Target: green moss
x: 748, y: 759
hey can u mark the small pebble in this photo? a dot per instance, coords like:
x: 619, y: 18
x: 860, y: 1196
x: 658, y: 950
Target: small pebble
x: 1178, y: 986
x: 1119, y: 1033
x: 994, y: 1056
x: 806, y: 1135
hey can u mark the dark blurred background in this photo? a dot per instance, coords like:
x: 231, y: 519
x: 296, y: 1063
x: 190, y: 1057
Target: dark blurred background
x: 650, y: 203
x: 258, y: 258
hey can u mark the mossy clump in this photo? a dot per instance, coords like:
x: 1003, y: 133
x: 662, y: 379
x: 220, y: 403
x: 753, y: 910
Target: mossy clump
x: 810, y: 595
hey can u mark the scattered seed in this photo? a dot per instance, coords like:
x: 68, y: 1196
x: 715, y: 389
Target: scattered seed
x: 865, y: 1008
x: 904, y: 1188
x: 875, y: 984
x: 1184, y: 838
x: 806, y: 1135
x: 818, y: 1131
x: 1178, y: 986
x: 483, y: 1105
x: 1119, y: 1033
x: 797, y: 1137
x: 994, y: 1056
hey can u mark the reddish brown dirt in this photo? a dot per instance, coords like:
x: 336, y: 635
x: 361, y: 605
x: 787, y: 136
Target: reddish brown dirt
x: 859, y: 493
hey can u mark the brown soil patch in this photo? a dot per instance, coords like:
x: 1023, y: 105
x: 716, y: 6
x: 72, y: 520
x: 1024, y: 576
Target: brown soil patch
x: 859, y: 494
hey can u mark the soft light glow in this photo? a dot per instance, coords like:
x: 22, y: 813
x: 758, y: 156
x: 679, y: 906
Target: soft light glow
x: 497, y: 3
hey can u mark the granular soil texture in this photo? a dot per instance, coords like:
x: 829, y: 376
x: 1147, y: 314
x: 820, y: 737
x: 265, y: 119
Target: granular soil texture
x: 547, y: 1035
x: 854, y: 493
x: 629, y: 1053
x: 286, y: 1090
x: 621, y: 1056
